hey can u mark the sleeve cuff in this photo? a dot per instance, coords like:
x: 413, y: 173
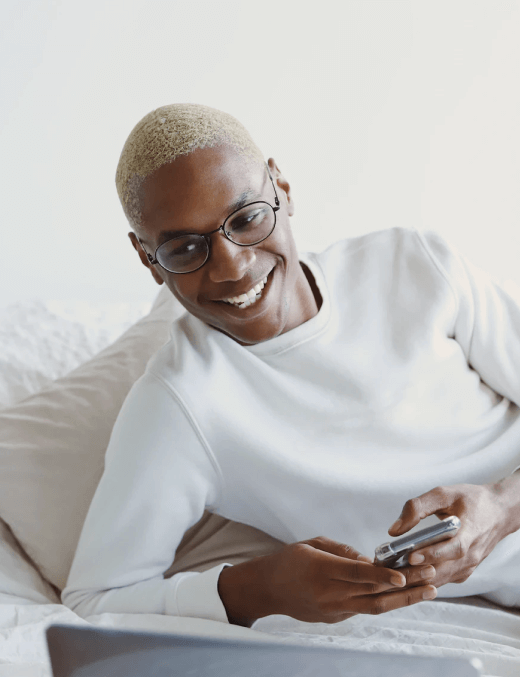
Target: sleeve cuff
x: 196, y: 595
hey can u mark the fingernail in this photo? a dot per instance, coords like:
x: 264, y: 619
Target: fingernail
x: 396, y: 579
x: 428, y: 572
x: 430, y: 594
x: 396, y: 525
x: 415, y: 558
x: 364, y: 558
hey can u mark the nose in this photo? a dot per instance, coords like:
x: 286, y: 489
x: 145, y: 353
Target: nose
x: 228, y: 261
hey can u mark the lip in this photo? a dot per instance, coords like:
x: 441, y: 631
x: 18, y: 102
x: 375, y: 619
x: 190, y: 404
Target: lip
x: 258, y: 308
x: 251, y: 287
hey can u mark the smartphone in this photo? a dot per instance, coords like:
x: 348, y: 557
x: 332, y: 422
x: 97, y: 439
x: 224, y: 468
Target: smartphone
x: 394, y: 554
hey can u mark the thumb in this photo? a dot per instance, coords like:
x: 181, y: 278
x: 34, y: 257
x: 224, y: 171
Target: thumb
x: 414, y: 510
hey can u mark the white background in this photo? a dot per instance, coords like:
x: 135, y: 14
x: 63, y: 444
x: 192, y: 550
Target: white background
x: 380, y: 113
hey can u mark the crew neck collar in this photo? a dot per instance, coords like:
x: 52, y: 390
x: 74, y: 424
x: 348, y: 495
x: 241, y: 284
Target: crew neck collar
x: 290, y: 339
x: 308, y: 329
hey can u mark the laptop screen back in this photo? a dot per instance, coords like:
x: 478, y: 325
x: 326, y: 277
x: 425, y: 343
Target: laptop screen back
x: 77, y: 651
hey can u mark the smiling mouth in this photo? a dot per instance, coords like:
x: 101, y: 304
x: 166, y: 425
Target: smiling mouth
x: 250, y: 298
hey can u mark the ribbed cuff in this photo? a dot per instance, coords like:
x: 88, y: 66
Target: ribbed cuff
x: 196, y: 595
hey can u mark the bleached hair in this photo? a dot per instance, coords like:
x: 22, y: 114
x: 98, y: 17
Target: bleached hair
x: 168, y: 132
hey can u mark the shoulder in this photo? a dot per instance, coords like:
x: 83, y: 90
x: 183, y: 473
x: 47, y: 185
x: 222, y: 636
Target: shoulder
x: 399, y: 268
x: 186, y: 358
x: 377, y: 253
x: 390, y: 247
x: 379, y: 242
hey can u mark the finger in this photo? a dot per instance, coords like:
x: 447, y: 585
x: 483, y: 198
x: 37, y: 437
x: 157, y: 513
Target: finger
x: 340, y: 549
x: 389, y: 601
x: 449, y: 549
x: 414, y: 510
x: 419, y: 575
x: 362, y: 572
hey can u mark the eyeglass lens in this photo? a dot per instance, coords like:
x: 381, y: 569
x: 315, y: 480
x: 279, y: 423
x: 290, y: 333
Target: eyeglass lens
x: 247, y: 226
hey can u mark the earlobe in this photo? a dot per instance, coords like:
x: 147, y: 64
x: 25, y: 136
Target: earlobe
x: 156, y: 275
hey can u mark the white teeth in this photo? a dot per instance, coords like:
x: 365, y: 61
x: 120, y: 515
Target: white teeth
x: 245, y: 300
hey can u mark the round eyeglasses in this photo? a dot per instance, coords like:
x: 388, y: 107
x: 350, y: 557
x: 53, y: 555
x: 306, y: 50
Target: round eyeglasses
x: 246, y: 226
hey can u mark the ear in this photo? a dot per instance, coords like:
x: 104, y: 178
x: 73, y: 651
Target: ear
x: 144, y: 259
x: 281, y: 183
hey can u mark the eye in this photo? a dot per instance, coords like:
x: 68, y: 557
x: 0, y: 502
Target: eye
x: 183, y: 249
x: 247, y: 219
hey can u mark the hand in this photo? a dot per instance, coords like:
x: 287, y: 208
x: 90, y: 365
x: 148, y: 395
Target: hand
x: 322, y: 581
x: 484, y: 522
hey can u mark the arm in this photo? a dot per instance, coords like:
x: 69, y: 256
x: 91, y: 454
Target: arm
x: 487, y: 319
x: 487, y: 327
x: 507, y: 497
x: 157, y: 481
x: 242, y: 593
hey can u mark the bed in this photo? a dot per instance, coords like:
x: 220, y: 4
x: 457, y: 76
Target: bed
x: 65, y: 371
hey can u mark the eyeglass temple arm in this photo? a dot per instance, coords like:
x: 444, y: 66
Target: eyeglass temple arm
x: 277, y: 201
x: 149, y: 256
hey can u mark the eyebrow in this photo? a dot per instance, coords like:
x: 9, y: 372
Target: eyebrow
x: 243, y: 199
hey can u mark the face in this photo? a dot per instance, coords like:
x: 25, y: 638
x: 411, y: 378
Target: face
x: 195, y: 193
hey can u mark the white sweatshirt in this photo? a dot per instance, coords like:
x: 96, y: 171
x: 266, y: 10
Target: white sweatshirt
x: 408, y: 378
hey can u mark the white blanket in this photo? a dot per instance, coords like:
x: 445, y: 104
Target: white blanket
x: 488, y: 635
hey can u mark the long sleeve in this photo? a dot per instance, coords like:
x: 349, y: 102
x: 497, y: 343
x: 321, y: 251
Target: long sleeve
x: 487, y: 324
x: 158, y: 479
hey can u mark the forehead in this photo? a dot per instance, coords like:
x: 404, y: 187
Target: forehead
x: 198, y: 189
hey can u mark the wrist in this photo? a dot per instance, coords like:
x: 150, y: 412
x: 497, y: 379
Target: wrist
x: 506, y: 494
x: 244, y: 592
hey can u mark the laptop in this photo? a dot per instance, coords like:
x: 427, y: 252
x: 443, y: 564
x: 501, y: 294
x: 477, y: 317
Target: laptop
x: 77, y: 651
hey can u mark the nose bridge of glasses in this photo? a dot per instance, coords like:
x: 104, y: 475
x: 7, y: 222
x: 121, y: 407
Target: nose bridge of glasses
x: 208, y: 235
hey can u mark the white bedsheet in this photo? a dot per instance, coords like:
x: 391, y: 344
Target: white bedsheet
x: 442, y: 628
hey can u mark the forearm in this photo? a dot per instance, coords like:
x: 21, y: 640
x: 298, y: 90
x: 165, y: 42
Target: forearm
x: 507, y: 496
x: 244, y: 591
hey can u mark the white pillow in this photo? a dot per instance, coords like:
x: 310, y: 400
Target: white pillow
x: 45, y: 340
x: 52, y: 448
x: 18, y: 576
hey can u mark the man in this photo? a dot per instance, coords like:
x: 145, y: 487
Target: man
x: 307, y: 395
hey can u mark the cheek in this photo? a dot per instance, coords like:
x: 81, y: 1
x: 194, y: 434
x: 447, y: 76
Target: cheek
x: 282, y: 243
x: 183, y: 291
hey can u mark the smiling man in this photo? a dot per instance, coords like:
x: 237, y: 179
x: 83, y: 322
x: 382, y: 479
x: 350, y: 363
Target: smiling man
x: 252, y: 252
x: 308, y: 395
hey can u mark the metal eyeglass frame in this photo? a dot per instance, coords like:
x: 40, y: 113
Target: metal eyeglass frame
x: 153, y: 259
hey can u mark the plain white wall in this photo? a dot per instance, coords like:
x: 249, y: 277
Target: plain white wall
x: 379, y: 112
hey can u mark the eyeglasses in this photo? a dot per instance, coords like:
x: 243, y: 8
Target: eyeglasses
x: 246, y: 226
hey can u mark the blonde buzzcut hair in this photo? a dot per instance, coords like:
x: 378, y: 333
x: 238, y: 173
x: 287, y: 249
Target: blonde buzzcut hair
x: 170, y: 131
